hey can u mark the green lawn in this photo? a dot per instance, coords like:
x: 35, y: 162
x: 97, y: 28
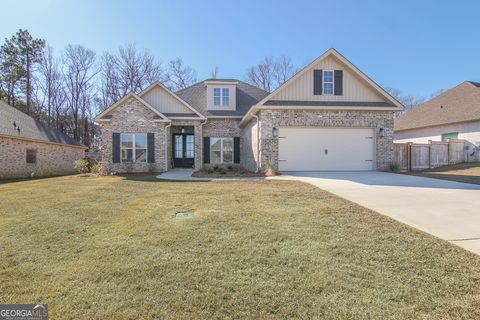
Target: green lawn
x: 110, y: 247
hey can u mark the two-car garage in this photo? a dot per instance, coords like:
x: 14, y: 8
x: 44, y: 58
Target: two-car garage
x: 325, y: 149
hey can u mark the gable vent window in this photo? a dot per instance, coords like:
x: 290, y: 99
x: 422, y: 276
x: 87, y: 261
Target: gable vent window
x: 31, y: 156
x: 221, y: 97
x: 327, y: 82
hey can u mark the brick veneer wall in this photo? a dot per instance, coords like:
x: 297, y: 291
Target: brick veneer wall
x: 250, y: 146
x: 52, y: 159
x: 132, y: 117
x: 227, y: 127
x: 326, y: 118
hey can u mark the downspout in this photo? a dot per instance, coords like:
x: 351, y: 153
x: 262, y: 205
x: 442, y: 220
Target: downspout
x: 201, y: 142
x: 166, y: 145
x: 258, y: 142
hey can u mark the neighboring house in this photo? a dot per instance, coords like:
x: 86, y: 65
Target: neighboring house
x: 329, y: 116
x: 30, y: 147
x: 454, y: 114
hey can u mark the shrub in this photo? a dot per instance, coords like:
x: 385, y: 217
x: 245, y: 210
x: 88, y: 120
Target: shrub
x: 96, y: 167
x: 394, y: 167
x: 222, y: 171
x: 230, y: 168
x: 81, y: 165
x: 271, y: 169
x: 215, y: 168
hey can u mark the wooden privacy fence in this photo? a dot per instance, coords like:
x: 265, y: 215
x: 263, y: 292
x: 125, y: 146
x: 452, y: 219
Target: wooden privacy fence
x: 417, y: 156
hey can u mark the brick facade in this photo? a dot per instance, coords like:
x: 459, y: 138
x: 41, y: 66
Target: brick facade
x: 326, y: 118
x: 51, y: 159
x: 132, y: 117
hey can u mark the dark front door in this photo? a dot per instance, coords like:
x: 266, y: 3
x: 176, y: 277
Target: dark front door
x: 183, y: 150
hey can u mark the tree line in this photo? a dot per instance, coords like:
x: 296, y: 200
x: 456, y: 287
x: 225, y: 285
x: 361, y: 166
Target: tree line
x: 68, y: 89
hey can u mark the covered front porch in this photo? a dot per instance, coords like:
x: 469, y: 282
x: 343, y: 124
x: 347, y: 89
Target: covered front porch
x: 184, y: 140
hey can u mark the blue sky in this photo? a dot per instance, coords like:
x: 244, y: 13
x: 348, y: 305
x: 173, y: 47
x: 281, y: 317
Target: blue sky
x: 418, y: 47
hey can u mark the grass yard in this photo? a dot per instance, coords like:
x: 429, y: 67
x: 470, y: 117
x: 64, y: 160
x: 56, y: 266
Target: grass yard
x: 110, y: 247
x: 463, y: 172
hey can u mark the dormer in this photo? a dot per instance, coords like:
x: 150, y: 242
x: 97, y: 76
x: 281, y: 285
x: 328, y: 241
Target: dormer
x: 221, y: 94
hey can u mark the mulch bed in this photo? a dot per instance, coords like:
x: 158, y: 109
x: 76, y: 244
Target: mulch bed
x: 227, y: 174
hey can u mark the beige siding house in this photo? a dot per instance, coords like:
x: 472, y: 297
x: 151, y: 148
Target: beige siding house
x: 454, y: 114
x: 329, y: 116
x: 31, y: 148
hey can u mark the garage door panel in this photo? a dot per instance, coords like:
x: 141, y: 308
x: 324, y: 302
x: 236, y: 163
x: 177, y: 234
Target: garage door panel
x: 319, y: 149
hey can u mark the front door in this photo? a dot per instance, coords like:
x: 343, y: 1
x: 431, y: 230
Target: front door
x: 183, y: 150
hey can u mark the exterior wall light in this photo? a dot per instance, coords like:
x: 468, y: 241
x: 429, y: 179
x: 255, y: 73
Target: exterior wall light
x: 275, y: 132
x: 381, y: 132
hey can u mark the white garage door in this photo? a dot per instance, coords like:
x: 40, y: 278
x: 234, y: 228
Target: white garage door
x: 319, y: 149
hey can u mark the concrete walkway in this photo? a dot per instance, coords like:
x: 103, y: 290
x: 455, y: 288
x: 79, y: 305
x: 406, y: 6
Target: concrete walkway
x: 446, y: 209
x: 180, y: 175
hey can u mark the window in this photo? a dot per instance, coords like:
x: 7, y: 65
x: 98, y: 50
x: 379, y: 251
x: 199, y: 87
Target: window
x: 451, y: 135
x: 327, y: 82
x: 134, y: 147
x: 225, y: 97
x: 221, y: 150
x: 221, y: 96
x: 216, y: 96
x: 31, y: 156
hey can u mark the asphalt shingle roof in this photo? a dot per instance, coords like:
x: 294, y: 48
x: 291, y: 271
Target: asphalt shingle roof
x: 29, y: 127
x: 247, y: 96
x: 459, y: 104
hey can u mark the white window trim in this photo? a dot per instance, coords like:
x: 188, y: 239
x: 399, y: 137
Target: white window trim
x: 134, y: 149
x: 221, y: 97
x: 324, y: 82
x: 221, y: 150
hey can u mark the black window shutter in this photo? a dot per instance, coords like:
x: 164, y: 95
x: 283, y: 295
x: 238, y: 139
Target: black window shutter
x: 317, y: 82
x: 236, y: 150
x: 206, y: 150
x: 338, y: 85
x: 151, y: 147
x: 116, y: 147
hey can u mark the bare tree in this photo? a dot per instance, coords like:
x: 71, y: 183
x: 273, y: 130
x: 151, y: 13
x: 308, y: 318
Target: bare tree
x: 128, y: 71
x: 179, y: 75
x: 271, y: 73
x: 408, y: 100
x: 78, y: 75
x: 262, y: 75
x: 49, y: 84
x: 284, y: 69
x: 215, y: 71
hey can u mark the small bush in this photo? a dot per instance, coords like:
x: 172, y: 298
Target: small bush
x: 222, y: 171
x: 394, y: 167
x: 271, y: 169
x: 81, y: 165
x: 230, y: 168
x: 96, y: 167
x: 215, y: 168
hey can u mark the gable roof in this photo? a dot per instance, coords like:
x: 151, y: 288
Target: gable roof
x: 104, y: 116
x: 174, y: 95
x: 390, y: 104
x: 30, y: 128
x: 247, y: 95
x: 459, y: 104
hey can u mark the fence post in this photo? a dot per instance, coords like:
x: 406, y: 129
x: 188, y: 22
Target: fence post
x: 429, y: 154
x: 409, y: 156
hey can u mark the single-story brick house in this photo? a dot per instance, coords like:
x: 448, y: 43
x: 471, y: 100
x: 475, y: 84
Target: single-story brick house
x: 30, y: 147
x: 454, y: 114
x: 329, y: 116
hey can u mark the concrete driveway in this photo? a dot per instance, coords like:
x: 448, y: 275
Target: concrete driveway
x: 449, y: 210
